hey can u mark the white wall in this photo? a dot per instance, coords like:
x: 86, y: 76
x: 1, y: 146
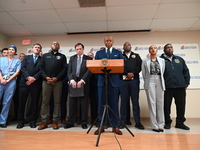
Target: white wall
x: 140, y: 38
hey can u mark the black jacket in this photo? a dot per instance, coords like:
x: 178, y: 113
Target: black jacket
x: 53, y: 65
x: 176, y: 74
x: 132, y: 64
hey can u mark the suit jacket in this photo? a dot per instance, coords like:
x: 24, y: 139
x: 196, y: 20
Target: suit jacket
x: 114, y: 78
x: 28, y: 68
x: 85, y: 74
x: 146, y: 71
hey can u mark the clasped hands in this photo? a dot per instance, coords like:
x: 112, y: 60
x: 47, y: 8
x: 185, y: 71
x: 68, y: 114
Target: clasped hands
x: 77, y: 84
x: 51, y: 80
x: 129, y: 76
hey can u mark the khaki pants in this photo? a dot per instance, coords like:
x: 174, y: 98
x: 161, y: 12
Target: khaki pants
x: 47, y: 89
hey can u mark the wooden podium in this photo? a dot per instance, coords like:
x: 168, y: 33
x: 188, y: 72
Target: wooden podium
x: 115, y: 65
x: 106, y: 66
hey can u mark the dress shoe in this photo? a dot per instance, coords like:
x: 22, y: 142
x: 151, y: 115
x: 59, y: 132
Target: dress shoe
x: 63, y: 121
x: 161, y: 130
x: 117, y: 131
x: 20, y: 125
x: 68, y: 125
x: 44, y: 125
x: 50, y: 122
x: 182, y: 126
x: 84, y: 126
x: 55, y: 125
x: 32, y: 125
x: 139, y: 126
x: 98, y: 130
x: 3, y: 125
x: 128, y: 123
x: 156, y: 130
x: 167, y: 126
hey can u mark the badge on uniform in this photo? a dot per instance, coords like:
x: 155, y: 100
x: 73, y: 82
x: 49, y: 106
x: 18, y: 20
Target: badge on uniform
x: 177, y: 61
x: 133, y: 56
x: 58, y: 57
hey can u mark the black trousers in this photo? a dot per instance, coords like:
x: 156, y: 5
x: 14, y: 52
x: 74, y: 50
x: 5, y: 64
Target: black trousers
x: 24, y: 91
x: 179, y: 95
x: 73, y: 109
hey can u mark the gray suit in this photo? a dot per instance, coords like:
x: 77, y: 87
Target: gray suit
x: 154, y: 86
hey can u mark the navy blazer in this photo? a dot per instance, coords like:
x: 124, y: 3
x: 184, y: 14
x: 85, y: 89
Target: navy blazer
x: 28, y: 68
x: 114, y: 78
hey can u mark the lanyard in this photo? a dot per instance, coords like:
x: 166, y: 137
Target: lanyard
x: 10, y: 64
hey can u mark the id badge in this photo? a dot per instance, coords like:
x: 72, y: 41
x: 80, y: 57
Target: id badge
x: 6, y: 77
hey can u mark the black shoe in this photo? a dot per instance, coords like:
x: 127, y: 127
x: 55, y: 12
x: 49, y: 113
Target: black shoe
x: 167, y: 126
x: 182, y: 126
x: 156, y: 130
x: 161, y: 130
x: 84, y: 126
x: 139, y: 126
x: 20, y: 125
x: 3, y: 125
x: 67, y: 125
x: 128, y: 123
x: 32, y: 125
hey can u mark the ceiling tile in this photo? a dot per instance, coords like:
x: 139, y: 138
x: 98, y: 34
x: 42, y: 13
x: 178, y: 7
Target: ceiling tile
x: 132, y: 12
x: 40, y: 16
x: 6, y: 19
x: 182, y: 23
x: 65, y: 3
x: 14, y: 30
x: 179, y: 1
x: 87, y: 26
x: 130, y: 2
x: 196, y: 25
x: 83, y: 14
x: 128, y: 25
x: 178, y: 10
x: 47, y: 29
x: 19, y: 5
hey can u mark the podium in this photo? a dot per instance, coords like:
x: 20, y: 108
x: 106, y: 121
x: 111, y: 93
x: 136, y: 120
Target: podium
x: 96, y: 66
x: 106, y: 66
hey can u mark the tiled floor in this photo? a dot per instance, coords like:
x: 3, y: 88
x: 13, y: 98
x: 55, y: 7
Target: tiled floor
x: 194, y: 125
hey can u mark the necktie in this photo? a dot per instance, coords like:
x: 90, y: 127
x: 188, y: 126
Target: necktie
x: 78, y: 66
x: 35, y: 59
x: 108, y: 53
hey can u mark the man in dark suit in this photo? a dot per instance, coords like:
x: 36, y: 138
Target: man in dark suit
x: 78, y: 75
x: 113, y: 83
x: 30, y: 82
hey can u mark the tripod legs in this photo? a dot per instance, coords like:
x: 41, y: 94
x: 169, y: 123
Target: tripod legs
x: 104, y: 111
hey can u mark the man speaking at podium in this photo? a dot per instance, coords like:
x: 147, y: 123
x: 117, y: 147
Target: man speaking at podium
x: 113, y: 84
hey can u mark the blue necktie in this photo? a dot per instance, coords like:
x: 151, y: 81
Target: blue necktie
x: 108, y: 53
x: 35, y: 59
x: 78, y: 66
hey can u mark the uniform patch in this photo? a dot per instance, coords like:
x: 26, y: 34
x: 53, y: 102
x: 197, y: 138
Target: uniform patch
x: 177, y: 61
x: 58, y: 57
x: 133, y: 56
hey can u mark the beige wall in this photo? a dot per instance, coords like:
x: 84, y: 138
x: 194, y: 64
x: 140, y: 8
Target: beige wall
x: 193, y: 101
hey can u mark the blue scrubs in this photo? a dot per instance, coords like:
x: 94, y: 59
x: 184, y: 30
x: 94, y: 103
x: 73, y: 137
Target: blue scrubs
x: 7, y: 68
